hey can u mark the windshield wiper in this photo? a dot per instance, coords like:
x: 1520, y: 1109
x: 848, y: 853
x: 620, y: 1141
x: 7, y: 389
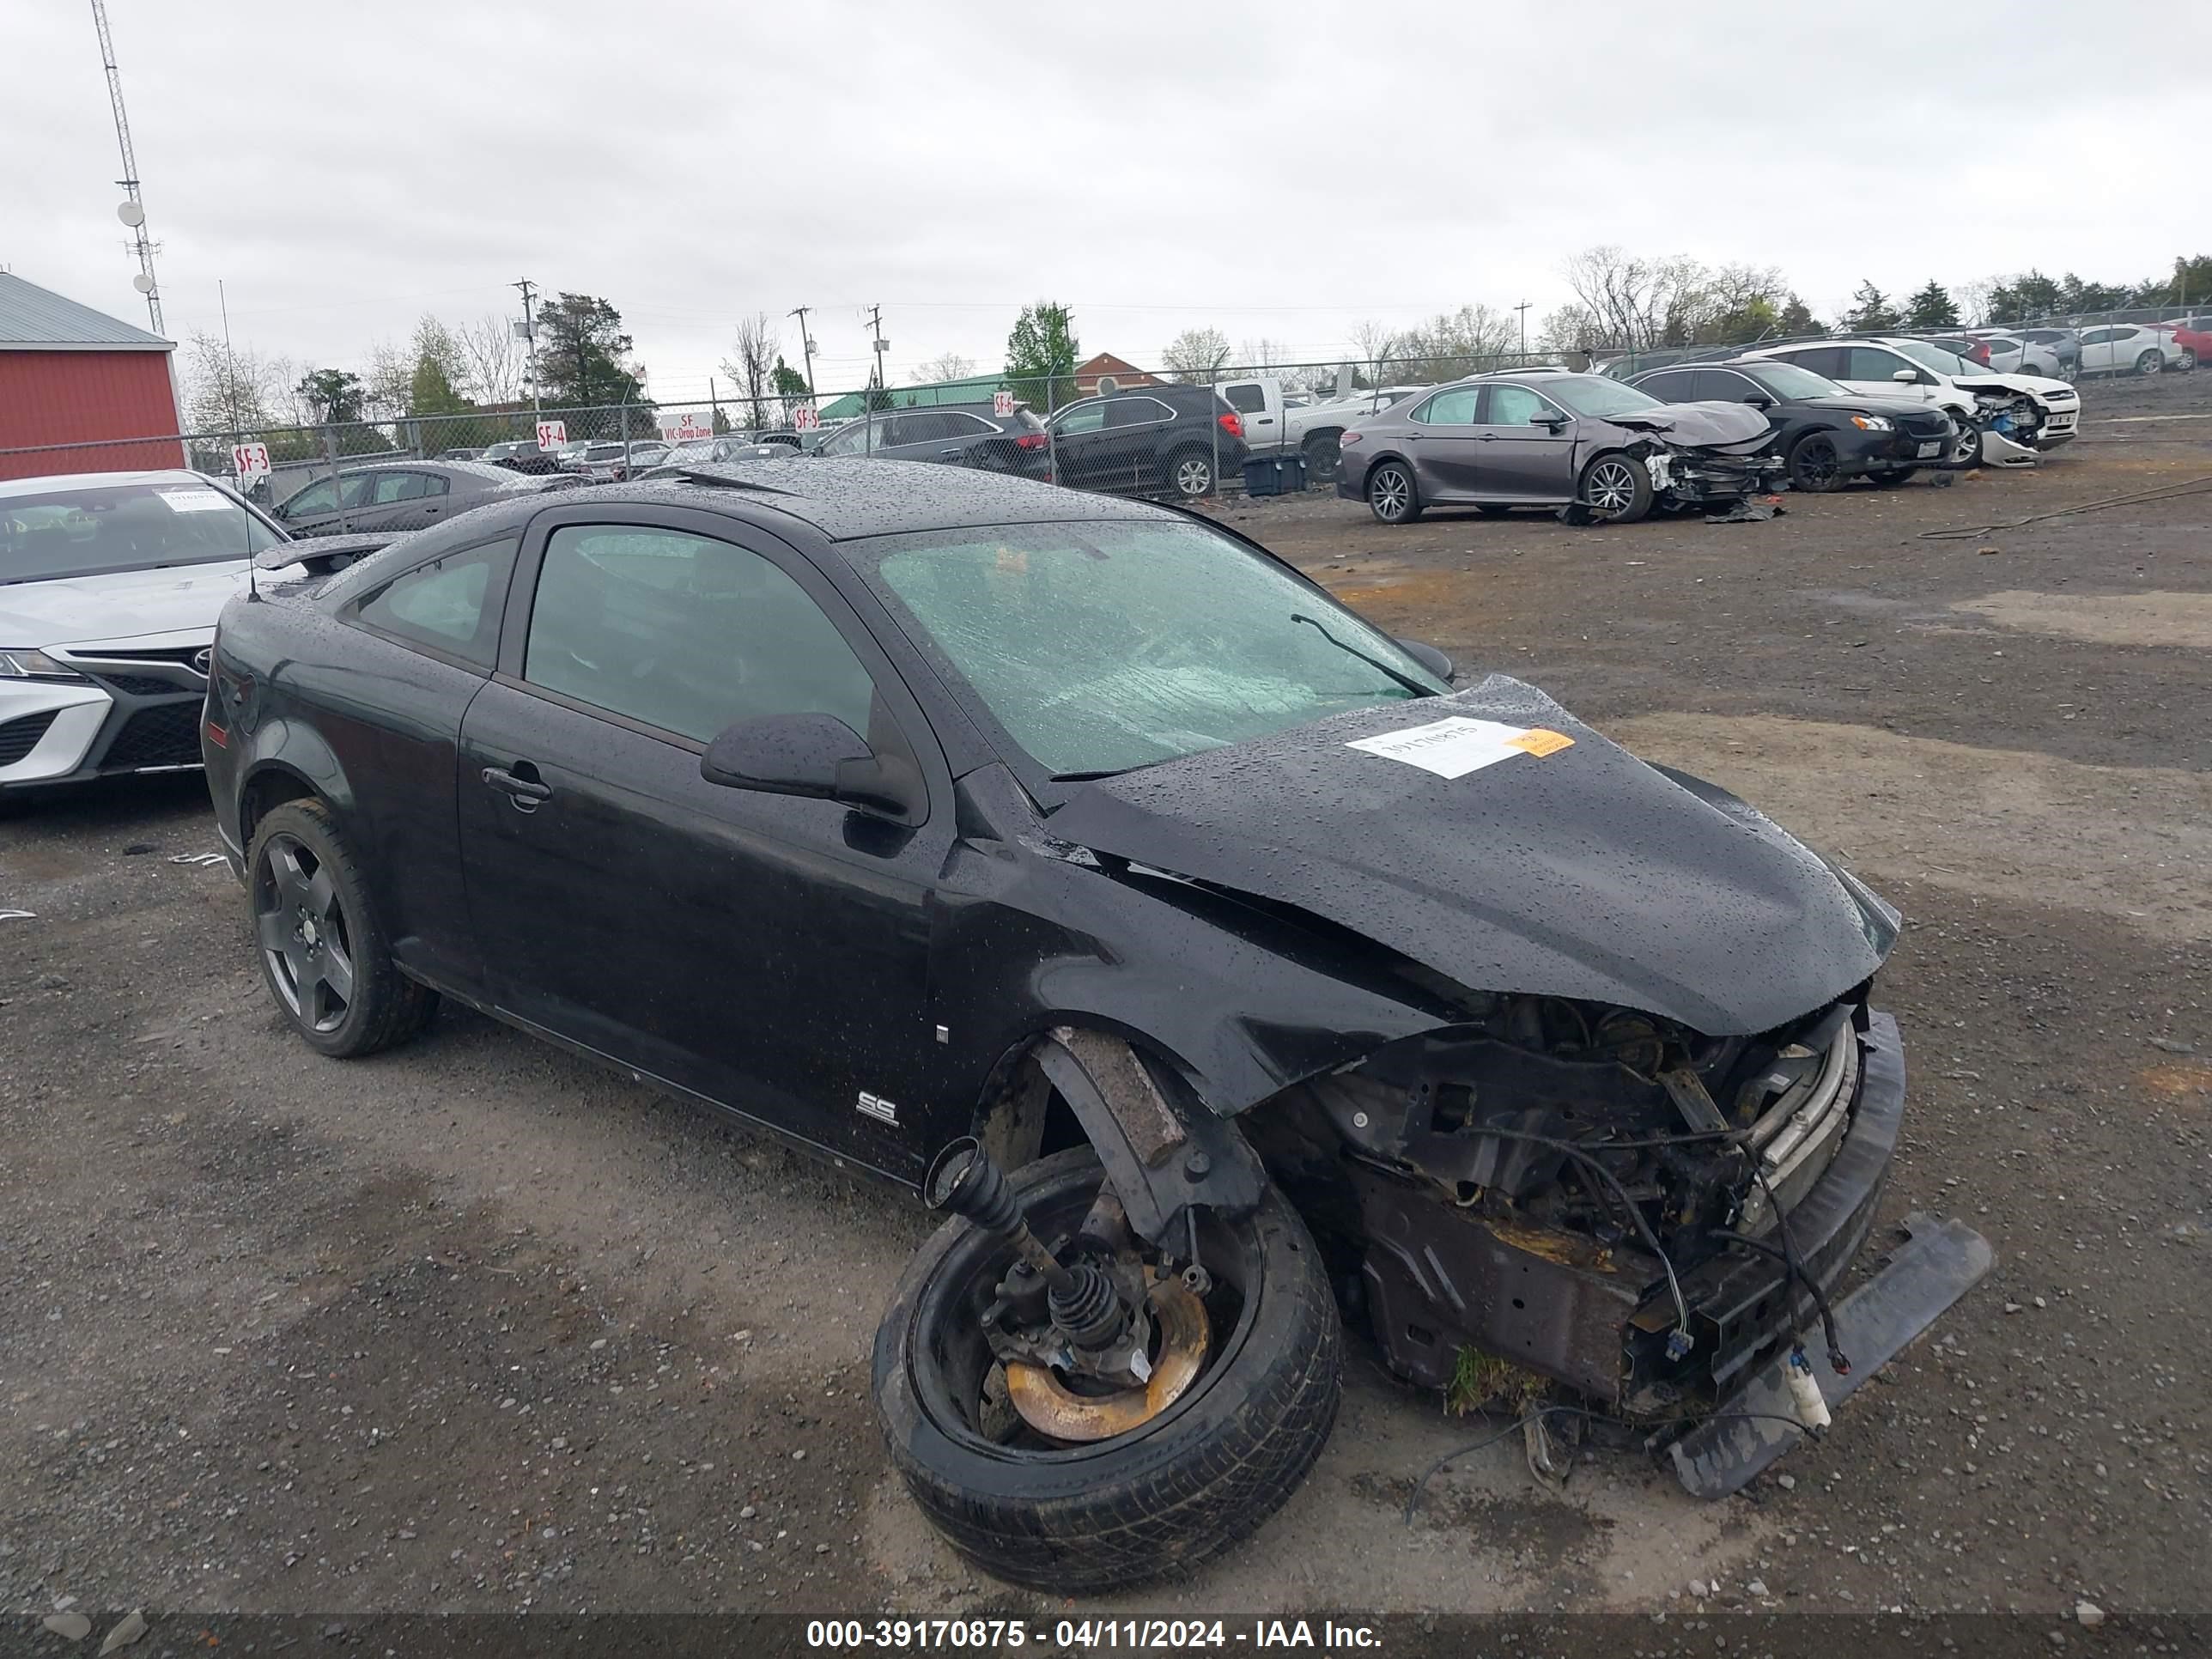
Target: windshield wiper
x: 1090, y: 777
x: 1405, y: 680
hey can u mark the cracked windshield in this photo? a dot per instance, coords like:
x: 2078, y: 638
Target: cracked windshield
x: 1099, y: 648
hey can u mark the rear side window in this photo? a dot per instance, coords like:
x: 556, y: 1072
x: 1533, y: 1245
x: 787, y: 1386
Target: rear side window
x: 1675, y: 386
x: 1452, y: 407
x: 450, y: 606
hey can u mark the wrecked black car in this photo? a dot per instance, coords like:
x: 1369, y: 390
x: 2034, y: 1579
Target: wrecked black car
x: 1221, y: 967
x: 1552, y: 438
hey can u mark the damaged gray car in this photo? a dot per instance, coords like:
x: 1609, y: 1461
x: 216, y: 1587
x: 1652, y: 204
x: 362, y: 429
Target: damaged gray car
x: 1602, y: 451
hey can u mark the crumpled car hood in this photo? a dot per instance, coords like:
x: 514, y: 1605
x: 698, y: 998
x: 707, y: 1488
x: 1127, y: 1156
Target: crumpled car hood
x: 1581, y: 873
x: 1720, y: 425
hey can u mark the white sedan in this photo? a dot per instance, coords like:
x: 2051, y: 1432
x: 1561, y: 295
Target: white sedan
x: 2131, y: 348
x: 110, y: 584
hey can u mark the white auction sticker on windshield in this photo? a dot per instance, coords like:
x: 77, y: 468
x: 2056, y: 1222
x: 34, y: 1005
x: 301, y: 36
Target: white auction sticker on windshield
x: 1455, y: 746
x: 193, y: 501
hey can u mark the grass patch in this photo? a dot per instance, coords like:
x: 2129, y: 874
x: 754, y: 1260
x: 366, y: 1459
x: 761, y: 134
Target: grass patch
x: 1481, y: 1379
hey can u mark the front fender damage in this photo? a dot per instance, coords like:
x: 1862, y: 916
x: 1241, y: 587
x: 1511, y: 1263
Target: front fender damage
x: 1164, y: 1153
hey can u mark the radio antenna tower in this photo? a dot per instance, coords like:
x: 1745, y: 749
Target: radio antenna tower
x: 132, y: 212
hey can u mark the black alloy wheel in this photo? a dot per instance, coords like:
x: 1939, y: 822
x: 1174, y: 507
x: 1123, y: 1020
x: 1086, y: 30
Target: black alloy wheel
x: 1153, y: 1482
x: 1815, y: 467
x: 322, y: 951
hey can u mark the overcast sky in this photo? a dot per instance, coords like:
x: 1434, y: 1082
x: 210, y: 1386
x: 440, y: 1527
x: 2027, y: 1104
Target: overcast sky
x: 1279, y: 170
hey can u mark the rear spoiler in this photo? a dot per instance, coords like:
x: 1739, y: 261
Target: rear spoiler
x: 322, y: 555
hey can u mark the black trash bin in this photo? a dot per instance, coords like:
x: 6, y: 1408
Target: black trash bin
x: 1274, y: 475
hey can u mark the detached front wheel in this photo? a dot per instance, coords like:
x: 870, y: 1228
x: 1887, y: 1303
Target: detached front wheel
x: 1065, y: 1484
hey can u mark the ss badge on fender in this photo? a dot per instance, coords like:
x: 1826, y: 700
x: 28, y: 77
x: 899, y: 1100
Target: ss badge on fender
x: 876, y: 1107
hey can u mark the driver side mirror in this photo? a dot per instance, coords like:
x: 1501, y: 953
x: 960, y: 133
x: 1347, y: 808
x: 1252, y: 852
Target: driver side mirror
x: 1430, y: 658
x: 1906, y: 377
x: 1760, y: 400
x: 816, y: 756
x: 1550, y: 419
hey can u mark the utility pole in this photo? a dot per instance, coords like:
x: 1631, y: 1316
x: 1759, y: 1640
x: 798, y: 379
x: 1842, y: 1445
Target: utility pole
x: 1524, y: 309
x: 805, y: 347
x: 875, y: 322
x: 529, y: 345
x: 132, y: 212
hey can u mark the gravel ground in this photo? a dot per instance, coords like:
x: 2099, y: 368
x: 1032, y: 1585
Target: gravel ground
x: 477, y: 1326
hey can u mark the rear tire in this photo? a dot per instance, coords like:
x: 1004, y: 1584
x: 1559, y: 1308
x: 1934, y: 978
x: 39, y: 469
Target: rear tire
x: 1324, y: 454
x: 323, y: 949
x: 1392, y: 495
x: 1616, y: 489
x: 1161, y: 1499
x: 2150, y: 362
x: 1191, y: 473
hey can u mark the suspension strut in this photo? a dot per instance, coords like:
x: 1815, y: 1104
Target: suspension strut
x: 964, y: 1180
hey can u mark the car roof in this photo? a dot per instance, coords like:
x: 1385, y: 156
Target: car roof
x: 40, y: 486
x: 845, y: 497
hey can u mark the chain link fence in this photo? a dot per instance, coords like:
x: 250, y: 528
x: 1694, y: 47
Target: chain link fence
x: 1178, y: 433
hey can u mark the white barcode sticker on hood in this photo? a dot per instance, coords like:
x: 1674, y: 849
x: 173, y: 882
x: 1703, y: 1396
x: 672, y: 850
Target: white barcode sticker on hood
x: 1453, y: 747
x: 194, y: 500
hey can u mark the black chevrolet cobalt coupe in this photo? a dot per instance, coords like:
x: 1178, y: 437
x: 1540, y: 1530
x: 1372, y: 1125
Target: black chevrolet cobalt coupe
x: 1218, y: 964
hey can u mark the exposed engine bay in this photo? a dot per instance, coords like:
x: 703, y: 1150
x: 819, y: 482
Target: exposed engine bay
x: 2014, y: 419
x: 1594, y: 1194
x: 1687, y: 476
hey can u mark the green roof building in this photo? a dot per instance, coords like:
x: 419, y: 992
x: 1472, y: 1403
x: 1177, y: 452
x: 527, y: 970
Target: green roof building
x: 975, y: 389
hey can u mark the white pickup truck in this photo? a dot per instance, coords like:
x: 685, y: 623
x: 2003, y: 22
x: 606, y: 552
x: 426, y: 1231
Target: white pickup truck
x: 1277, y: 423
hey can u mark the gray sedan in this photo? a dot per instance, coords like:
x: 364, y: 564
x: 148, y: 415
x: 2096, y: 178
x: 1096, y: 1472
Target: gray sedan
x: 397, y: 497
x: 1552, y: 439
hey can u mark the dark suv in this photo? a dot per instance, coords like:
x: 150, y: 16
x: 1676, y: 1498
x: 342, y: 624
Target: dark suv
x: 1147, y: 440
x: 1827, y: 434
x: 966, y: 434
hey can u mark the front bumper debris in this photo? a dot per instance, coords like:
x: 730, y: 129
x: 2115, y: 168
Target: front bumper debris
x: 1939, y: 1263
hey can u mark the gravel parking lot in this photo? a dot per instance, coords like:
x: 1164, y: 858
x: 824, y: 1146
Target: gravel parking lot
x: 476, y: 1326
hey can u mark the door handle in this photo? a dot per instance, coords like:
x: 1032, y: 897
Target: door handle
x: 525, y: 792
x: 1488, y: 437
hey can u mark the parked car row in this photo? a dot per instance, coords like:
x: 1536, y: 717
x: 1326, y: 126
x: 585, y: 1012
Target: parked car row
x: 394, y: 496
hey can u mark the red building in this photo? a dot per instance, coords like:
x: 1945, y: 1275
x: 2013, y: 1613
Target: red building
x: 69, y: 375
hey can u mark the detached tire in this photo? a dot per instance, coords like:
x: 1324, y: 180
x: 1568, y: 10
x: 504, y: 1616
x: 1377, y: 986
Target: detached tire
x: 1160, y: 1499
x: 323, y: 949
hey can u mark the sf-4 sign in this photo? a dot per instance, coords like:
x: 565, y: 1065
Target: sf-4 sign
x: 551, y: 435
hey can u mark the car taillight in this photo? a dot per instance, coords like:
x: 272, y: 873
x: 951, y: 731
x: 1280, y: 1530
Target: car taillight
x: 1345, y: 440
x: 1031, y: 441
x: 1231, y: 424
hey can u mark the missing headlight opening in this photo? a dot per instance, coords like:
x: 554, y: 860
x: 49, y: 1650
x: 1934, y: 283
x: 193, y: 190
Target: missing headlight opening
x: 1599, y: 1195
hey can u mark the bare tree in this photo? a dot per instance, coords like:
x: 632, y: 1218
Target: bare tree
x: 945, y: 366
x: 752, y: 365
x: 1260, y: 354
x: 1377, y: 343
x: 391, y: 375
x: 1972, y: 299
x: 1629, y: 297
x: 230, y: 389
x: 1463, y: 341
x: 1194, y: 354
x: 492, y: 360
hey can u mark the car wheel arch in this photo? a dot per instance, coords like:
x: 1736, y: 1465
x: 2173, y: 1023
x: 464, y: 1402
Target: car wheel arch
x: 266, y: 786
x: 1163, y: 1147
